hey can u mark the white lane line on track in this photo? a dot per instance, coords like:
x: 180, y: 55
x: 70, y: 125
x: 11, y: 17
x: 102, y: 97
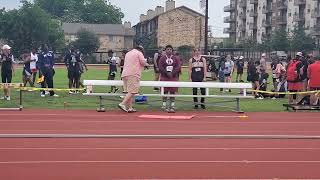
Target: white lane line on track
x: 122, y: 115
x: 142, y: 148
x: 163, y: 136
x: 151, y: 121
x: 190, y: 162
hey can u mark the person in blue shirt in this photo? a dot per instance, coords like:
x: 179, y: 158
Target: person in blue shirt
x: 46, y: 63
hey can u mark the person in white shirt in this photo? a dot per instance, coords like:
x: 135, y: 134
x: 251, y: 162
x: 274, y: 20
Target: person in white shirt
x: 33, y: 64
x: 228, y: 70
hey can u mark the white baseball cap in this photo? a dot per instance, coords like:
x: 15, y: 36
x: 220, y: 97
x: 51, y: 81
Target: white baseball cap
x: 6, y: 47
x: 263, y: 55
x: 241, y: 57
x: 299, y: 54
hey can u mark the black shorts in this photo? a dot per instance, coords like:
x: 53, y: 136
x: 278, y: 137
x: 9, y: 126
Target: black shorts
x: 155, y: 70
x: 227, y: 75
x: 6, y: 76
x: 314, y: 88
x: 73, y: 74
x: 111, y: 76
x: 240, y: 71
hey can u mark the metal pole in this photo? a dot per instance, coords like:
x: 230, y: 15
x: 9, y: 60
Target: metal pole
x: 206, y: 28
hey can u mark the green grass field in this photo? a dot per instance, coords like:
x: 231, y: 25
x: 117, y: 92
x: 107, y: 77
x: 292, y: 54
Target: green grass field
x: 32, y: 100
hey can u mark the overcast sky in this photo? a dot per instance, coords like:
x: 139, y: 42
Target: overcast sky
x: 133, y: 8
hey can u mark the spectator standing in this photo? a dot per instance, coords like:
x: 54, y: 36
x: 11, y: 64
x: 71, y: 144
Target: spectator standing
x: 263, y: 63
x: 33, y: 64
x: 112, y: 61
x: 295, y: 83
x: 253, y: 77
x: 46, y: 65
x: 278, y: 71
x: 228, y: 70
x: 239, y: 67
x: 73, y: 63
x: 314, y: 80
x: 27, y: 76
x: 156, y: 59
x: 7, y: 69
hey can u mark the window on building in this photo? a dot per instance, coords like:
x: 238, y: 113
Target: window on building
x: 111, y: 38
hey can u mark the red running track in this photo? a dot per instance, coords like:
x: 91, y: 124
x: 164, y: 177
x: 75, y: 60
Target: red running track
x: 97, y: 159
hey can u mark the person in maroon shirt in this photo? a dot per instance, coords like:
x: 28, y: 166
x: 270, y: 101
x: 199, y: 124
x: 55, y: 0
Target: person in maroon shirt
x: 314, y: 80
x: 169, y: 67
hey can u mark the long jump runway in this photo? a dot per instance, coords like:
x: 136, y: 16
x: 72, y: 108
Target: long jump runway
x: 86, y: 145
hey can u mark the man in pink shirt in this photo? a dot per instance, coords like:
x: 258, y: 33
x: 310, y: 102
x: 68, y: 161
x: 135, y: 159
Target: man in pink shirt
x: 134, y: 64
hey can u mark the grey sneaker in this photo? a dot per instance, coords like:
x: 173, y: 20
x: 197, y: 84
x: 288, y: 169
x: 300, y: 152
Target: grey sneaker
x: 122, y: 107
x: 171, y: 110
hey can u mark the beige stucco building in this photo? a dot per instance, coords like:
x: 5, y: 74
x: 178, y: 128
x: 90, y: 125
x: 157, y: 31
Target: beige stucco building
x: 112, y: 36
x: 175, y: 26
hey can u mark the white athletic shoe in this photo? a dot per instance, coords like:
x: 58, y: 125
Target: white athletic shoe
x: 42, y: 95
x: 8, y: 98
x: 55, y: 95
x: 2, y: 98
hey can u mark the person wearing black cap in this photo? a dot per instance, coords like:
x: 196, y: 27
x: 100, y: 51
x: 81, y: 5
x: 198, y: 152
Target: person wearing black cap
x: 112, y: 61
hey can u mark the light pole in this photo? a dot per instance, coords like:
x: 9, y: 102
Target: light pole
x: 206, y: 28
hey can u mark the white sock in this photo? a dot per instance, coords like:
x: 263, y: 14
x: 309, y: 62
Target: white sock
x: 164, y: 103
x: 172, y: 104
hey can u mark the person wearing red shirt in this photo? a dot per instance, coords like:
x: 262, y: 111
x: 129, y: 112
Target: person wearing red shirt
x: 314, y: 80
x: 169, y: 67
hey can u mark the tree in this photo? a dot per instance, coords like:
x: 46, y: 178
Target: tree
x: 82, y: 11
x: 185, y: 52
x: 30, y: 27
x: 87, y: 42
x: 300, y: 41
x: 279, y: 40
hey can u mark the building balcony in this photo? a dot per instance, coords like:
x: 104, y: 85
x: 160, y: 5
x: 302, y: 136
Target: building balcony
x: 282, y: 5
x: 266, y: 10
x: 243, y: 15
x: 243, y: 3
x: 281, y: 20
x: 299, y: 2
x: 267, y: 24
x: 298, y: 18
x: 253, y: 26
x: 229, y: 8
x: 229, y: 19
x: 253, y: 1
x: 315, y: 13
x: 229, y: 30
x: 253, y: 14
x: 242, y: 27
